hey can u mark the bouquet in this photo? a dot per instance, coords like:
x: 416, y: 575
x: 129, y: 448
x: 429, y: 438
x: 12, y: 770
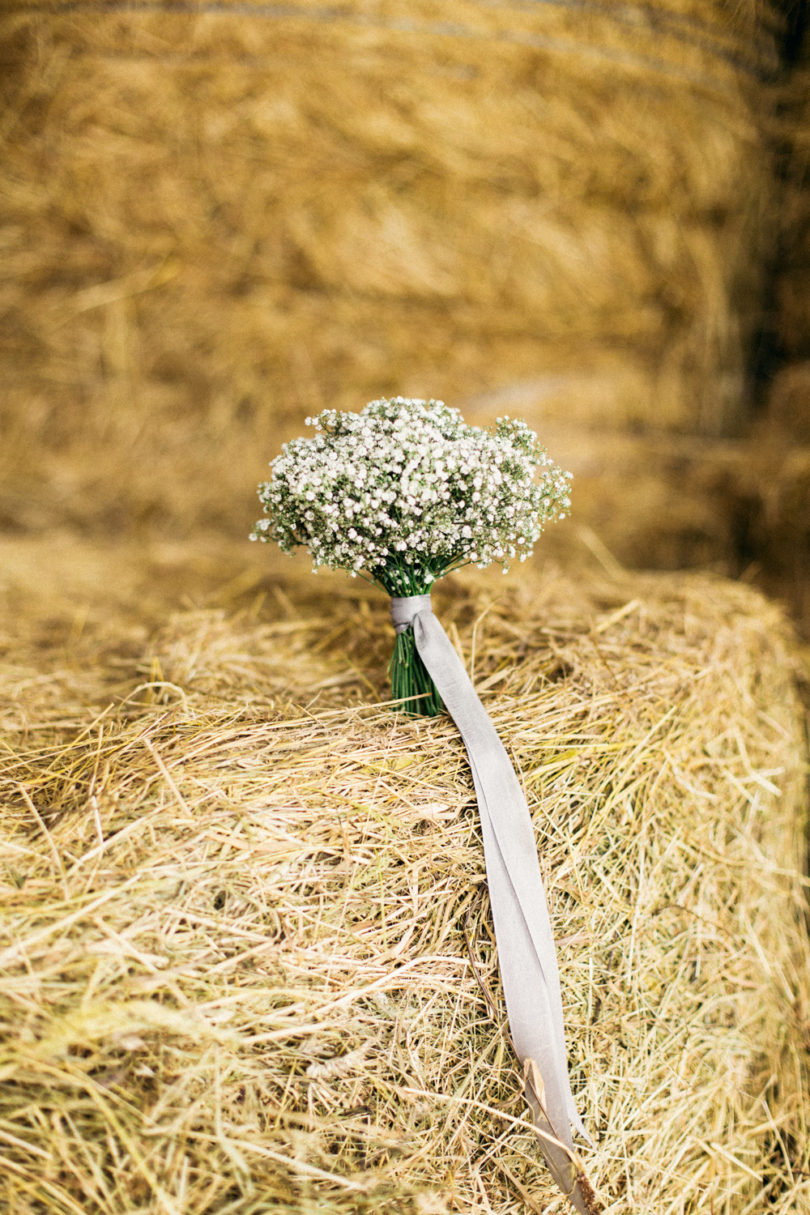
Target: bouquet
x: 404, y: 493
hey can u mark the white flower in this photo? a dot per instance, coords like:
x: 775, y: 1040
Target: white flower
x: 406, y: 491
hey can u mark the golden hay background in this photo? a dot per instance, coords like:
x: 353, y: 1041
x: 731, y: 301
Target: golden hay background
x: 217, y: 219
x: 218, y: 222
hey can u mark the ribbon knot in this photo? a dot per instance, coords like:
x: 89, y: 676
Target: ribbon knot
x: 403, y: 610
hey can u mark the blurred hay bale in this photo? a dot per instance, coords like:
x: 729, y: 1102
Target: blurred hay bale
x: 786, y: 399
x: 788, y: 403
x: 791, y: 318
x: 773, y: 496
x: 776, y: 508
x: 244, y: 907
x: 216, y: 222
x: 655, y: 501
x: 794, y: 309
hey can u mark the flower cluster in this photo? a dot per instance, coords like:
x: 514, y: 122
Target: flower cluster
x: 406, y: 491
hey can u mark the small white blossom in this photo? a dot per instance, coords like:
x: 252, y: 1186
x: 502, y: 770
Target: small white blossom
x: 406, y: 491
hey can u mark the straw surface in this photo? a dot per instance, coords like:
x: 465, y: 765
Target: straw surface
x: 247, y: 961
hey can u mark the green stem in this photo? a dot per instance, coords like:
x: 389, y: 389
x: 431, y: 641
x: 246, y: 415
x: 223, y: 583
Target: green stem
x: 409, y: 678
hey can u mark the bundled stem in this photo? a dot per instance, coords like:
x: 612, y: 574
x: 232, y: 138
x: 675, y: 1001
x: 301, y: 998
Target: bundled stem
x: 410, y: 680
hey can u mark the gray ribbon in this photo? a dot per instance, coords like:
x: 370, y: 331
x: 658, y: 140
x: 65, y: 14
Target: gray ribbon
x: 526, y: 954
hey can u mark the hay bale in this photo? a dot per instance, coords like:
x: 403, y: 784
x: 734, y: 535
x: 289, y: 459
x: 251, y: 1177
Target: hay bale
x: 776, y: 509
x: 793, y: 310
x: 246, y: 941
x: 217, y: 222
x: 790, y: 320
x: 773, y: 504
x: 788, y: 403
x: 654, y: 501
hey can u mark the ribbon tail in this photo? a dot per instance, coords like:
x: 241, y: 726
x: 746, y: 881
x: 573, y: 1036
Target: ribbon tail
x: 563, y: 1164
x: 523, y: 933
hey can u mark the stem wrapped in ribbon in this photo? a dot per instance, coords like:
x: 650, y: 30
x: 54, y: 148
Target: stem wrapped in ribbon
x: 402, y: 494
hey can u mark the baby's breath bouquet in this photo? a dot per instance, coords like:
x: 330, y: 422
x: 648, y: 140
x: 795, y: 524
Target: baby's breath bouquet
x: 405, y: 492
x: 402, y: 494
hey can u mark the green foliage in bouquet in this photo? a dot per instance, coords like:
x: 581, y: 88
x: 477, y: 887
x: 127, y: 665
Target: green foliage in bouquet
x: 406, y: 492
